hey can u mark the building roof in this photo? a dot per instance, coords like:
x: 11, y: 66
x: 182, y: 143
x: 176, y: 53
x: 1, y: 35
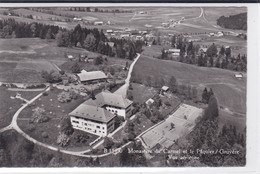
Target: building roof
x: 149, y: 101
x: 174, y: 50
x: 165, y: 88
x: 92, y: 113
x: 111, y: 44
x: 70, y: 56
x: 92, y: 75
x: 238, y: 75
x: 203, y: 50
x: 107, y: 98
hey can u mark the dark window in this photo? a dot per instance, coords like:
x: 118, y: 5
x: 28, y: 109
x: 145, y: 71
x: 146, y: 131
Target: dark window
x: 98, y: 127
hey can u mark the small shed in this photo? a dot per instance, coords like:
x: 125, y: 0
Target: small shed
x: 149, y: 102
x: 164, y: 89
x: 70, y: 57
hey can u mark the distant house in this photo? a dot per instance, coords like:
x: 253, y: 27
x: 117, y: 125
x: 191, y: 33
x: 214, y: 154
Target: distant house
x: 97, y: 115
x: 164, y: 89
x: 148, y: 26
x: 98, y: 23
x: 174, y: 52
x: 125, y: 35
x: 203, y: 50
x: 70, y: 57
x: 92, y: 76
x: 109, y: 31
x: 77, y: 19
x: 219, y: 34
x: 165, y: 24
x: 239, y: 76
x: 142, y: 12
x: 211, y: 34
x: 111, y: 44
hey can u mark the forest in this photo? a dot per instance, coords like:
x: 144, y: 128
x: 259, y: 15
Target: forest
x: 236, y: 22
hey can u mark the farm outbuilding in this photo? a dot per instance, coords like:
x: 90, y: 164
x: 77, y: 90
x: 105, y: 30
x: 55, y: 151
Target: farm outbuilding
x: 239, y: 76
x: 164, y: 89
x: 92, y: 76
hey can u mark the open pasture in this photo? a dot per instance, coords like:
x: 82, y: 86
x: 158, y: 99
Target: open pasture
x: 180, y: 123
x: 223, y: 81
x: 23, y: 59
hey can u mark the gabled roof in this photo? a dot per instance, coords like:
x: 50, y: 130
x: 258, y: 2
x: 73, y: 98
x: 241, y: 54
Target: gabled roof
x: 149, y: 101
x: 107, y: 98
x: 174, y: 50
x: 92, y: 75
x: 165, y: 88
x: 92, y: 113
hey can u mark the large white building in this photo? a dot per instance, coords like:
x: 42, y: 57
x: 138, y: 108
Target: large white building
x: 97, y: 115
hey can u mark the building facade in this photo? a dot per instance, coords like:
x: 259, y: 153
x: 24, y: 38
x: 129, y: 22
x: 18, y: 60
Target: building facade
x: 91, y: 126
x: 96, y: 115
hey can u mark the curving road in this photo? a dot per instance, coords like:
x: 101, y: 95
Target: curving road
x: 15, y: 126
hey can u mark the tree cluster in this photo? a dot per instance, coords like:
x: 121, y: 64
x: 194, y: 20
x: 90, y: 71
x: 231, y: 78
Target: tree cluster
x: 95, y: 41
x: 133, y: 159
x: 213, y: 57
x: 237, y: 22
x: 10, y: 28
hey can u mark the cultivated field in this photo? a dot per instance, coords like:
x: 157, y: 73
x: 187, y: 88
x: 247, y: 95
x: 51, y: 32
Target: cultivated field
x: 180, y: 123
x: 223, y: 82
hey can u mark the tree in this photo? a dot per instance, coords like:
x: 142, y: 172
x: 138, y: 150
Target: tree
x: 211, y: 61
x: 75, y: 68
x: 173, y: 84
x: 212, y: 110
x: 90, y: 42
x: 39, y: 116
x: 228, y: 52
x: 48, y: 34
x: 98, y: 60
x: 205, y: 96
x: 63, y: 39
x: 212, y: 50
x: 108, y: 143
x: 190, y: 48
x: 65, y: 126
x: 222, y: 51
x: 63, y: 139
x: 173, y: 41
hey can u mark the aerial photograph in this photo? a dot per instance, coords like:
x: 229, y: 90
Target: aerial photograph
x: 123, y: 86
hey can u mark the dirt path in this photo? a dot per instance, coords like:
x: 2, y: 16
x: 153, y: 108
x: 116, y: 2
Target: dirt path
x: 123, y: 89
x: 26, y: 90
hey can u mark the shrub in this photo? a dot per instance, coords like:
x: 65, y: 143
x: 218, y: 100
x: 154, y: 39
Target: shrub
x: 108, y: 143
x: 45, y: 94
x: 66, y: 127
x: 64, y: 97
x: 39, y: 116
x: 80, y: 137
x: 45, y: 135
x: 63, y: 139
x: 31, y: 127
